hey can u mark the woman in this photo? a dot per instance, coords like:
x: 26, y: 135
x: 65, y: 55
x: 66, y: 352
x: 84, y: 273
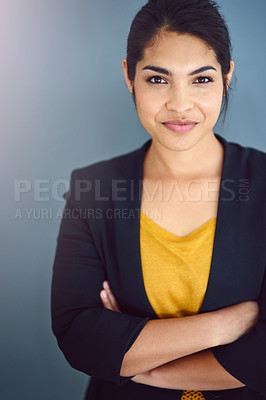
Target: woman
x: 172, y: 227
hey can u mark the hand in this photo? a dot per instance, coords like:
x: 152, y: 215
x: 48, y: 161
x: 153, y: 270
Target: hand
x: 145, y: 378
x: 235, y: 321
x: 108, y: 299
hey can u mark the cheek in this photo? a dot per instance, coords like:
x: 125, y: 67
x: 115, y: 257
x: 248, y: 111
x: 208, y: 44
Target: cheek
x: 147, y: 105
x: 211, y: 104
x: 148, y: 101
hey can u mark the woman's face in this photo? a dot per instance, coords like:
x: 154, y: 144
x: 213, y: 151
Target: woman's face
x: 178, y: 90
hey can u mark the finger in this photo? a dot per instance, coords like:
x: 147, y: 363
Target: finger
x: 111, y: 296
x: 106, y: 301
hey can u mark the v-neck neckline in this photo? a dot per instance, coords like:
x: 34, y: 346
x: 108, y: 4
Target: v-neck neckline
x: 218, y: 221
x: 172, y: 236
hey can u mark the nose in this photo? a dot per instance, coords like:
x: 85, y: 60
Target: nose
x: 179, y: 99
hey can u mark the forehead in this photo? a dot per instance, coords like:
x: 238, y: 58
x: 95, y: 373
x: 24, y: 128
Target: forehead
x: 173, y: 50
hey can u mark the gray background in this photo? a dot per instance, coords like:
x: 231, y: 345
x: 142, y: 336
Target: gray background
x: 64, y: 104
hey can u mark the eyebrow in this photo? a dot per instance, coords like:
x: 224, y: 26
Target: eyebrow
x: 168, y: 73
x: 157, y: 69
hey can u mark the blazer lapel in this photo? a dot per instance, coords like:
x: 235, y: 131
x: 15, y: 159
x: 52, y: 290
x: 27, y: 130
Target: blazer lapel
x: 233, y: 278
x: 127, y: 228
x: 224, y: 256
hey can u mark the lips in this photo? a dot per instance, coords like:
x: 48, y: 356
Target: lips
x: 180, y: 126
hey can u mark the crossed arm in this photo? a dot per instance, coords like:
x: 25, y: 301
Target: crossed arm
x: 175, y: 353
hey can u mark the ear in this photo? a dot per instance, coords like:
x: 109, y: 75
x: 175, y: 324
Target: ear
x: 228, y: 77
x: 128, y: 81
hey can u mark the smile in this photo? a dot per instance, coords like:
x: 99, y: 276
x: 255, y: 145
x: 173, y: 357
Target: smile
x: 180, y: 126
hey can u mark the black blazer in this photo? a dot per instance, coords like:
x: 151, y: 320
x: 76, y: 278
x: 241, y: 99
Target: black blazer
x: 99, y: 239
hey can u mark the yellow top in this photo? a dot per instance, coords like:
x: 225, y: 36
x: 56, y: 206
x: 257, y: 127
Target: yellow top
x: 175, y: 269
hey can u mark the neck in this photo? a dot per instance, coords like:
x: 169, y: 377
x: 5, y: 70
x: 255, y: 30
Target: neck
x: 204, y: 159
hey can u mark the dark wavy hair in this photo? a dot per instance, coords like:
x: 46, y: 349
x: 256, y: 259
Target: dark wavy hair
x: 200, y: 18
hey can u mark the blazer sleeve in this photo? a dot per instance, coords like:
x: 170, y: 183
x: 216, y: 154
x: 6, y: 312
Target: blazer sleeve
x: 93, y: 339
x: 245, y: 358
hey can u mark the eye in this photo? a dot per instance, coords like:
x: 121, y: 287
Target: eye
x: 203, y: 80
x: 157, y: 80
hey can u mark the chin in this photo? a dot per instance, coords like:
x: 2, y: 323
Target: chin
x: 177, y: 142
x: 184, y: 141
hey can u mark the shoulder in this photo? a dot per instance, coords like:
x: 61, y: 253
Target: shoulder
x: 244, y: 171
x: 252, y: 163
x: 247, y: 152
x: 245, y: 159
x: 115, y: 167
x: 101, y: 178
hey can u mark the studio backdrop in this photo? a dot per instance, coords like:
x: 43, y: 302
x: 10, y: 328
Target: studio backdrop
x: 64, y: 105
